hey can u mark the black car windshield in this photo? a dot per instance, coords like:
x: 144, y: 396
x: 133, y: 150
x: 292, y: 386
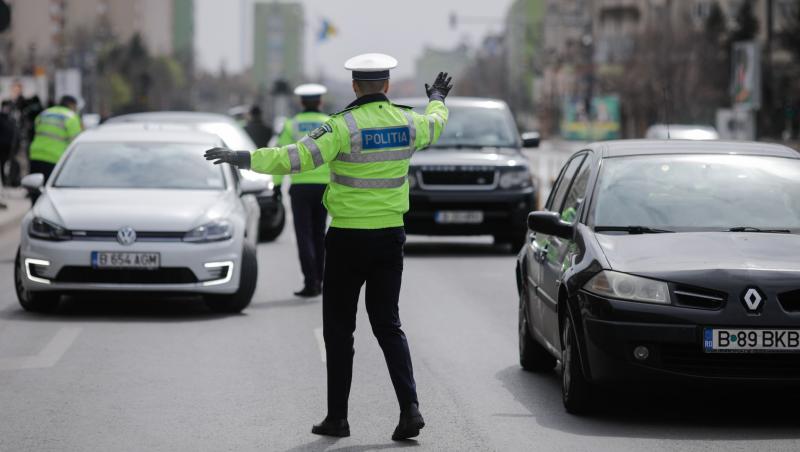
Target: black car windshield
x: 484, y: 126
x: 139, y: 165
x: 699, y: 193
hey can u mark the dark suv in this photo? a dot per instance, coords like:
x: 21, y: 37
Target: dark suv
x: 475, y: 179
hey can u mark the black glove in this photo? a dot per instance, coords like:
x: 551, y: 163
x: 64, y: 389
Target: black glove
x: 240, y: 159
x: 441, y: 87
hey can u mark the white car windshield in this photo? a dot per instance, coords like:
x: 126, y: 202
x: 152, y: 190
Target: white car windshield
x: 477, y: 127
x: 139, y: 165
x: 699, y: 192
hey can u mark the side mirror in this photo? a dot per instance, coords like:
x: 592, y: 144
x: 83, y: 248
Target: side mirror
x: 33, y: 182
x: 531, y: 139
x: 550, y: 223
x: 253, y: 186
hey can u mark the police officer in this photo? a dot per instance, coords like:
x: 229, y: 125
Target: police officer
x: 54, y: 129
x: 368, y: 146
x: 306, y: 191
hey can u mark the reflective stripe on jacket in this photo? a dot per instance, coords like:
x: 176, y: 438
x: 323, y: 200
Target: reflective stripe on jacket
x: 368, y: 147
x: 55, y: 128
x: 293, y: 131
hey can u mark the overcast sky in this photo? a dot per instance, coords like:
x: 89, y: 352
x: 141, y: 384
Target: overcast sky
x: 399, y: 28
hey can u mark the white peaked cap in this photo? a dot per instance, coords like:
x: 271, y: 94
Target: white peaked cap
x: 371, y: 66
x: 310, y: 89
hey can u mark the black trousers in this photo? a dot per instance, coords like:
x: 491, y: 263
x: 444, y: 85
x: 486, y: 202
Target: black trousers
x: 310, y: 217
x: 45, y: 168
x: 356, y: 257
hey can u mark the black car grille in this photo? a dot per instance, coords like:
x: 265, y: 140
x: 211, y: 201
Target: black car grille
x: 690, y: 359
x: 177, y: 275
x: 457, y: 175
x: 141, y: 236
x: 696, y: 297
x: 790, y: 301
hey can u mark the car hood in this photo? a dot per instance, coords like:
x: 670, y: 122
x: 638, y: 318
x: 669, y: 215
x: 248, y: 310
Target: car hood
x: 660, y: 254
x: 145, y: 210
x: 497, y: 157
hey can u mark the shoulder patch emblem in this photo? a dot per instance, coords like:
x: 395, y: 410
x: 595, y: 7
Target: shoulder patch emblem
x: 321, y: 130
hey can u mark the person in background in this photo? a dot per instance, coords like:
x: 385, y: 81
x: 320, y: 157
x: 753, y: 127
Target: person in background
x: 9, y: 138
x: 54, y: 129
x: 259, y: 132
x: 307, y: 190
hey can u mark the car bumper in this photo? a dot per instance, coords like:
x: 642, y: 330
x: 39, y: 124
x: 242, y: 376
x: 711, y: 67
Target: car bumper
x: 504, y: 212
x: 612, y: 329
x: 209, y: 268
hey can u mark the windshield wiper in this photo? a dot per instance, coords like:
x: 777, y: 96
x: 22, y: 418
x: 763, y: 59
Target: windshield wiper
x: 752, y: 229
x: 631, y: 229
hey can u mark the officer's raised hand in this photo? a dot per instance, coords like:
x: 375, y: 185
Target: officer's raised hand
x: 235, y: 158
x: 441, y: 87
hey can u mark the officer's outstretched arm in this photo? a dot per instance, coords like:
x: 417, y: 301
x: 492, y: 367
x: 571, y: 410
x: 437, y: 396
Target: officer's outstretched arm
x: 312, y: 151
x: 284, y: 139
x: 431, y: 124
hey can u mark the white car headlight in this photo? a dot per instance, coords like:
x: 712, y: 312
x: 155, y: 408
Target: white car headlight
x: 516, y: 178
x: 210, y: 232
x: 628, y: 287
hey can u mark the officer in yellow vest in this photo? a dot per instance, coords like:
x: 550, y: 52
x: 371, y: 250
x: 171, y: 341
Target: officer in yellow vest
x: 54, y: 129
x: 368, y: 146
x: 307, y: 190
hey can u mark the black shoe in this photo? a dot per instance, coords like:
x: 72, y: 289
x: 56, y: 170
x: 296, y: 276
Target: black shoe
x: 308, y: 292
x: 410, y: 424
x: 332, y: 427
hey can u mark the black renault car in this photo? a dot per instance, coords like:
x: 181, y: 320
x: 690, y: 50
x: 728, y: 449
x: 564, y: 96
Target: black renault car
x: 475, y: 179
x: 664, y: 260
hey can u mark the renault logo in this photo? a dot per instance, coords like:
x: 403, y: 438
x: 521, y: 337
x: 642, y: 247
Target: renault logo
x: 126, y: 236
x: 753, y: 300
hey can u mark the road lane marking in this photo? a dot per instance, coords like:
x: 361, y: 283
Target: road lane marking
x: 320, y: 343
x: 48, y: 356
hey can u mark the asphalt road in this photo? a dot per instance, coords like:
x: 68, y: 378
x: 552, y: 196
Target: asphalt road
x: 136, y: 374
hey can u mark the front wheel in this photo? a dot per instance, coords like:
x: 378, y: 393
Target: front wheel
x: 32, y: 301
x: 576, y: 391
x: 237, y: 301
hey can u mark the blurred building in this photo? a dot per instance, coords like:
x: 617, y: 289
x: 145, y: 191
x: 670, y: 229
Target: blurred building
x: 278, y: 31
x: 43, y: 32
x: 524, y: 40
x: 432, y: 61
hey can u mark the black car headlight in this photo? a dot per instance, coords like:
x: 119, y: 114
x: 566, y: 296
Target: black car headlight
x: 516, y: 178
x: 45, y: 230
x: 623, y: 286
x: 214, y: 231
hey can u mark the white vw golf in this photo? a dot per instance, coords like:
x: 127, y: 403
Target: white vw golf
x: 136, y: 208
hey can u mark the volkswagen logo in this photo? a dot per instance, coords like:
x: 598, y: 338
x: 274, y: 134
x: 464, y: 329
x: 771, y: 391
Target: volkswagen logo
x: 126, y: 236
x: 753, y: 300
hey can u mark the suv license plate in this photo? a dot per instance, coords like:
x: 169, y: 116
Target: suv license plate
x: 750, y: 340
x: 459, y: 216
x: 112, y: 259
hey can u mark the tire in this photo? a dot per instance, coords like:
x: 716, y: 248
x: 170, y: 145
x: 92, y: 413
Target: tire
x: 237, y: 301
x: 43, y: 302
x: 576, y: 391
x: 532, y: 356
x: 270, y: 229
